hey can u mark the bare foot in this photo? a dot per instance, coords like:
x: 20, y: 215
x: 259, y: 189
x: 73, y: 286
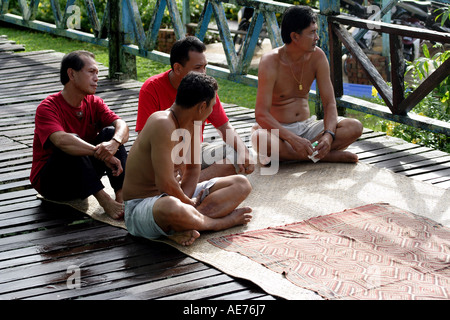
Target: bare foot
x: 340, y: 156
x: 237, y: 217
x: 185, y: 238
x: 112, y: 208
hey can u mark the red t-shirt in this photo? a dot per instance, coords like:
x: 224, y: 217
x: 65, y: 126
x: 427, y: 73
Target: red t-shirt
x: 55, y: 114
x: 157, y: 93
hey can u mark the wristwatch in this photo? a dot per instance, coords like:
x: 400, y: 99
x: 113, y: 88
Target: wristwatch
x: 117, y: 140
x: 331, y: 134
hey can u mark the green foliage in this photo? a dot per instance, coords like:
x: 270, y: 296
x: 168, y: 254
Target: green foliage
x: 438, y: 101
x: 435, y: 105
x: 443, y: 15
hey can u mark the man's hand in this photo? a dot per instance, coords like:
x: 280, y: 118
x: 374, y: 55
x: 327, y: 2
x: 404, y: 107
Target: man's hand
x: 301, y: 146
x: 105, y: 150
x: 195, y: 202
x: 247, y: 167
x: 114, y: 164
x: 324, y: 146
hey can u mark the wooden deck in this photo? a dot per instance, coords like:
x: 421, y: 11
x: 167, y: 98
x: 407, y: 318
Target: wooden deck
x: 40, y: 244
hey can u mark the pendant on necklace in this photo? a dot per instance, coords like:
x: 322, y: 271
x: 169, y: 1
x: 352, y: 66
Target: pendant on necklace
x: 300, y: 87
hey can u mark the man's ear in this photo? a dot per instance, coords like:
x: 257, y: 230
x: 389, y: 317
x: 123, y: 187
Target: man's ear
x: 202, y: 106
x: 177, y: 67
x: 294, y: 36
x: 70, y: 72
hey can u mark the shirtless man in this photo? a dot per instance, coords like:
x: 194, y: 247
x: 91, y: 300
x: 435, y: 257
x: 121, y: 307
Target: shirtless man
x: 161, y: 190
x: 284, y: 80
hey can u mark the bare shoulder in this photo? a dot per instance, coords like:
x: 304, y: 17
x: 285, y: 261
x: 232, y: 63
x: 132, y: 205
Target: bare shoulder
x: 271, y: 58
x: 319, y: 56
x: 158, y: 124
x: 270, y: 61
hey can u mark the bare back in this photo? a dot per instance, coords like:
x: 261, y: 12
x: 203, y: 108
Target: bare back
x: 149, y: 156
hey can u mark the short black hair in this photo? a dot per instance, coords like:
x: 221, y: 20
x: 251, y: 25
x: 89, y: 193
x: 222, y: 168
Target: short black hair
x: 195, y: 88
x: 296, y: 19
x: 74, y: 61
x: 181, y: 48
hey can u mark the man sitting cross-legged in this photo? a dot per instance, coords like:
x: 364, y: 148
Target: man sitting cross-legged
x: 161, y: 190
x: 282, y: 113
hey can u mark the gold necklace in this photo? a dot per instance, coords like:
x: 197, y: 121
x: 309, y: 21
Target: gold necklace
x: 300, y: 87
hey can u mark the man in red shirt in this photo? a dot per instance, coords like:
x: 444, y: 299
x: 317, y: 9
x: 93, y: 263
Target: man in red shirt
x: 78, y: 139
x: 159, y: 93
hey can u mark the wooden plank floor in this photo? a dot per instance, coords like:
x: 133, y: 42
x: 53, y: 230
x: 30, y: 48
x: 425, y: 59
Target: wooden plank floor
x: 41, y: 245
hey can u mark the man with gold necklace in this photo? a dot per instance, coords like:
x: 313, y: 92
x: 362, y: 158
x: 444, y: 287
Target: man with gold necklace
x: 282, y: 111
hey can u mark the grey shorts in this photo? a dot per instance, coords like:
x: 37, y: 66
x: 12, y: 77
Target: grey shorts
x: 139, y: 218
x: 213, y: 152
x: 308, y: 129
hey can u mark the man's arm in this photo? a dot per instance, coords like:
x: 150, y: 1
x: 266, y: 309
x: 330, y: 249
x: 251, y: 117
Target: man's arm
x: 326, y: 90
x: 122, y: 131
x: 191, y: 175
x: 232, y: 138
x: 146, y: 106
x: 267, y: 74
x: 71, y: 144
x: 107, y: 149
x: 161, y: 155
x: 190, y: 179
x: 156, y: 94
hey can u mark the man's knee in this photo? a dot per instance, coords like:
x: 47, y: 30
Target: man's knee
x: 166, y: 206
x: 105, y: 134
x: 173, y: 215
x: 171, y: 209
x: 353, y: 127
x: 242, y: 185
x: 357, y: 128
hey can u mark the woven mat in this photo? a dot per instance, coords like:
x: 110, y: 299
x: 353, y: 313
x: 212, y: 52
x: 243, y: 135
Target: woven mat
x: 372, y: 252
x: 300, y: 191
